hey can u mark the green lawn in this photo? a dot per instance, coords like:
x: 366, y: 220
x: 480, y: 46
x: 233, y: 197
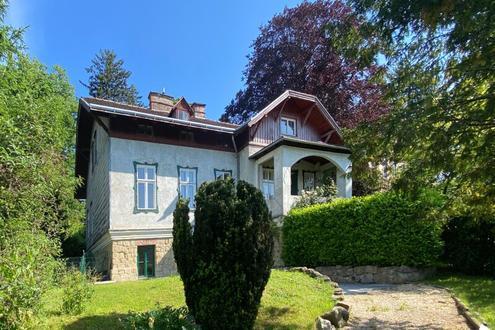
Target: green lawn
x: 477, y: 293
x: 291, y: 301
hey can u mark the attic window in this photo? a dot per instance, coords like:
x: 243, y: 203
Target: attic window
x: 287, y: 126
x: 181, y: 114
x: 145, y: 129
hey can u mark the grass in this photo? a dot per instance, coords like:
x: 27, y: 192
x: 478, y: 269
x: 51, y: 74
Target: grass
x: 291, y: 301
x: 477, y: 293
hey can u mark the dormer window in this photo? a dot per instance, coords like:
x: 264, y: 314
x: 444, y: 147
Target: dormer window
x: 287, y: 126
x: 181, y: 114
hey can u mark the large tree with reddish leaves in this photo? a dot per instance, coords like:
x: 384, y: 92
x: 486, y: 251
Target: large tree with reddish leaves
x: 313, y: 48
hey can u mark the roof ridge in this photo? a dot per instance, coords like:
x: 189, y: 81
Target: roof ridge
x: 116, y: 102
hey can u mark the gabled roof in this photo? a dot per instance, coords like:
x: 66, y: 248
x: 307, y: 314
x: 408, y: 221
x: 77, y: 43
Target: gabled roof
x: 297, y: 95
x: 123, y: 109
x: 185, y: 105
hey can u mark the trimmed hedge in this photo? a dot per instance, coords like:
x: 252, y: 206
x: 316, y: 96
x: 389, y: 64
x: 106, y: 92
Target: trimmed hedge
x: 383, y: 229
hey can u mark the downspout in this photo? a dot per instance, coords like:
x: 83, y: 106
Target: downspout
x: 236, y: 158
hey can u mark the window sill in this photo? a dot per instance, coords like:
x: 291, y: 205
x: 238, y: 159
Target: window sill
x: 136, y: 210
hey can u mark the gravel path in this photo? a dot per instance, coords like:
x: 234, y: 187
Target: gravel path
x: 407, y: 306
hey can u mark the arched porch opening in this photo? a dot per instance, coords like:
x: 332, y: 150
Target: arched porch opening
x: 310, y: 172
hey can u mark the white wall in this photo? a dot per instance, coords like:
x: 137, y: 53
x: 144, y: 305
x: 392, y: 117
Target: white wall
x: 168, y: 157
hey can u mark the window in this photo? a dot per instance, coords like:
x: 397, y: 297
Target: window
x: 145, y: 129
x: 222, y: 174
x: 93, y: 152
x: 287, y: 126
x: 146, y: 187
x: 184, y: 115
x: 294, y: 188
x: 267, y: 183
x: 309, y: 180
x: 186, y: 136
x: 187, y: 184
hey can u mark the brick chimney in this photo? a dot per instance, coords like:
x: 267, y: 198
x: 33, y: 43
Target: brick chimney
x: 199, y: 110
x: 160, y: 102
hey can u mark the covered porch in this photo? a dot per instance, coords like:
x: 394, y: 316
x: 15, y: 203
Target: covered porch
x: 288, y: 166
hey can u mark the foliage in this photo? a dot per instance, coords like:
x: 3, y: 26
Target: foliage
x: 108, y: 79
x: 321, y: 194
x: 441, y: 94
x: 74, y: 244
x: 78, y: 290
x: 112, y: 302
x: 383, y: 229
x: 225, y: 263
x: 312, y: 48
x: 37, y: 204
x: 476, y: 292
x: 160, y: 318
x: 470, y: 245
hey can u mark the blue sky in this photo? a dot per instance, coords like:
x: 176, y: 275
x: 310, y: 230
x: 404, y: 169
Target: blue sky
x: 195, y: 49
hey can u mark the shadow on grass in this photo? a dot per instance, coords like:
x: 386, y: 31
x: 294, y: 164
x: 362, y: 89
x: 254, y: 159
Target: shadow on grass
x: 272, y: 319
x: 109, y: 321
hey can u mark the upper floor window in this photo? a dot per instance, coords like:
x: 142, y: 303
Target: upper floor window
x: 181, y: 114
x: 222, y: 174
x: 287, y: 126
x: 267, y: 183
x: 187, y: 184
x: 145, y: 187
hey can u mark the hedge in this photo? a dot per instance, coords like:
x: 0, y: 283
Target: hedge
x: 470, y: 245
x: 383, y: 229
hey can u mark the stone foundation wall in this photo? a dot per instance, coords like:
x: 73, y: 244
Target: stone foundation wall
x: 124, y: 258
x: 374, y: 274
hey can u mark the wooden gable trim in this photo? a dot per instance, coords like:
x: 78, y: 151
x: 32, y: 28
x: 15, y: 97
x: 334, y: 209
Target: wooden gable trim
x: 307, y: 115
x: 182, y: 101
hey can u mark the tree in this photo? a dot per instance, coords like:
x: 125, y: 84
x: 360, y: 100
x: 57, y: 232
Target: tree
x: 441, y: 91
x: 312, y: 48
x: 108, y: 79
x: 37, y: 205
x: 225, y: 263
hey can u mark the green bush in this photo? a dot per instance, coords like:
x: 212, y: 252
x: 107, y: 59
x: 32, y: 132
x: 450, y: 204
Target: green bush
x: 160, y: 318
x: 383, y: 229
x: 324, y: 193
x: 78, y: 290
x: 225, y: 263
x: 470, y: 245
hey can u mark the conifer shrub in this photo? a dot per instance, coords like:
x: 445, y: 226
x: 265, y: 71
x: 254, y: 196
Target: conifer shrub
x: 225, y: 260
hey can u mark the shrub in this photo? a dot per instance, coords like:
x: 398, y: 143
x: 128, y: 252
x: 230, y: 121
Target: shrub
x: 225, y: 263
x: 160, y: 318
x: 78, y: 290
x: 470, y: 245
x: 320, y: 195
x: 383, y: 229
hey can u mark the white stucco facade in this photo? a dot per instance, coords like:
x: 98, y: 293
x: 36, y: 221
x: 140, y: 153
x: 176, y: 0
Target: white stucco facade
x: 167, y: 158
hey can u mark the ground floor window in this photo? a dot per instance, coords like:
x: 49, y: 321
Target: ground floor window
x: 267, y: 183
x: 309, y: 179
x: 294, y: 187
x: 146, y: 261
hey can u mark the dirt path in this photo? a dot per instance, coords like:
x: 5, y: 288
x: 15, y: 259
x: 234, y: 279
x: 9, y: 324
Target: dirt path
x: 408, y: 306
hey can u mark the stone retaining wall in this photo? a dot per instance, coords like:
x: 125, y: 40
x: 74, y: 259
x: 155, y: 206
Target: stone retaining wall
x: 374, y: 274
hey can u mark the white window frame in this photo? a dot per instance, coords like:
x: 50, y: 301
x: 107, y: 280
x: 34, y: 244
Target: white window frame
x: 222, y: 174
x: 193, y: 184
x: 284, y: 125
x: 268, y: 182
x: 147, y: 182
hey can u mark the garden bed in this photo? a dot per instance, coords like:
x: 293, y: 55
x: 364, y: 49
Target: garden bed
x: 290, y: 301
